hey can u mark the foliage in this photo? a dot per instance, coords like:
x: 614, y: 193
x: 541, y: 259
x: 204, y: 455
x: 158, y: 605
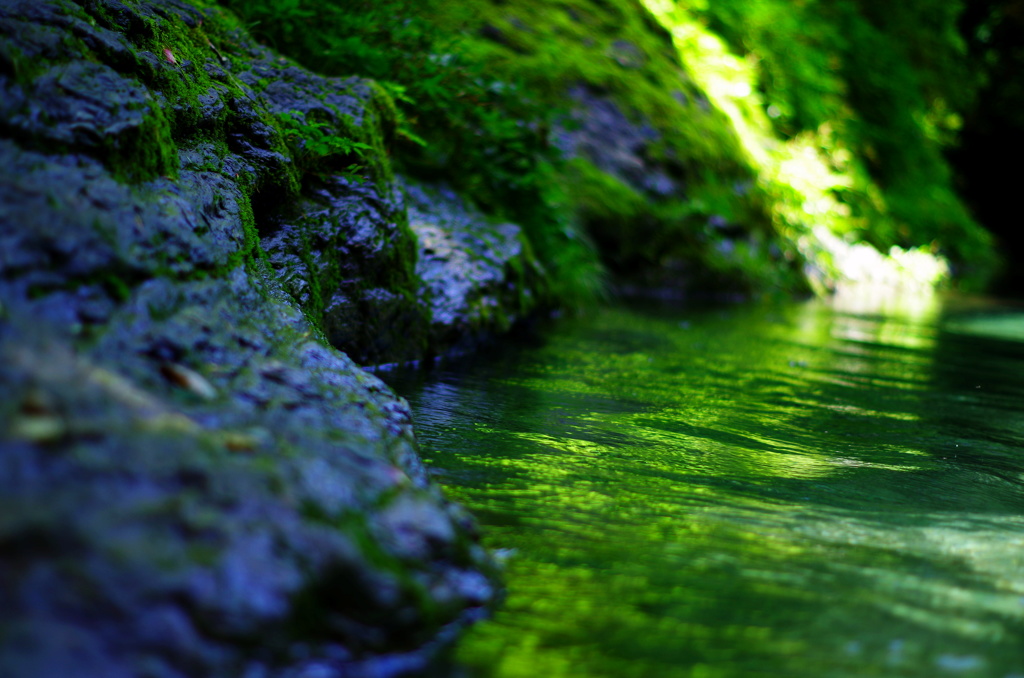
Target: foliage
x: 487, y: 137
x: 313, y: 145
x: 774, y: 118
x: 578, y: 54
x: 883, y: 83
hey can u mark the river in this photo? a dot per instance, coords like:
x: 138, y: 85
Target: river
x: 817, y: 489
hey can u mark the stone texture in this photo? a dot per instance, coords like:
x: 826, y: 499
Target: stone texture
x: 603, y: 134
x: 196, y: 476
x: 206, y: 490
x: 478, y: 275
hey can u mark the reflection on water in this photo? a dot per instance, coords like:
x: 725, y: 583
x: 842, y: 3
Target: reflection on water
x: 786, y: 491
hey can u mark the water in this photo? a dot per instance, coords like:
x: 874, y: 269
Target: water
x: 800, y: 490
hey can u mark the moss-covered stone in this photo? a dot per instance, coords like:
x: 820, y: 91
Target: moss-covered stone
x: 193, y: 480
x: 209, y: 491
x: 657, y: 175
x: 480, y: 276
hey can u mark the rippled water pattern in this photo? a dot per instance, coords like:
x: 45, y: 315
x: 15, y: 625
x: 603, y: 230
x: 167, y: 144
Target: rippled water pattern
x: 791, y: 491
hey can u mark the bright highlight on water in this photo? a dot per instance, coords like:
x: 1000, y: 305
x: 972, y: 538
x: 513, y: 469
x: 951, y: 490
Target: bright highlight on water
x: 801, y: 490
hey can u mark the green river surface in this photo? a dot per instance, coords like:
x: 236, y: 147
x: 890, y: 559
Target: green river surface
x: 807, y: 489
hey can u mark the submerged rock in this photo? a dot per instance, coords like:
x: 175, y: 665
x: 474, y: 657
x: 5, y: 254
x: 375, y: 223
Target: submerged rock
x: 196, y: 475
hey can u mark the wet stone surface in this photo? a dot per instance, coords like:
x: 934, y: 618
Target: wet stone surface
x: 207, y: 486
x: 478, y: 275
x: 196, y: 475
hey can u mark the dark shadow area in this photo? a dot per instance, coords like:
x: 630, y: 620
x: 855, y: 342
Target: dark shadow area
x: 986, y: 161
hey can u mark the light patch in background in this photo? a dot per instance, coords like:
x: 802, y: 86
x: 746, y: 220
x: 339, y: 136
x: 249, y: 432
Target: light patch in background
x: 805, y: 174
x: 1002, y: 326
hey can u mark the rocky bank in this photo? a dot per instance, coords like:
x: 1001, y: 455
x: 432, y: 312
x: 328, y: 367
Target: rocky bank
x: 201, y: 246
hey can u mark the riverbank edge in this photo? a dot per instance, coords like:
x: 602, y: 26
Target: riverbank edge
x: 204, y: 244
x: 211, y: 242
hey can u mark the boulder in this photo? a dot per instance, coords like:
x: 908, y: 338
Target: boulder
x: 201, y: 247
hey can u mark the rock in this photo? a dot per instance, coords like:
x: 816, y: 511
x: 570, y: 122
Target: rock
x: 479, y: 275
x: 195, y: 480
x: 349, y: 258
x: 128, y: 504
x: 616, y: 145
x: 626, y: 54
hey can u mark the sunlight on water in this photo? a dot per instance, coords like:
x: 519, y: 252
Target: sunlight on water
x: 788, y: 491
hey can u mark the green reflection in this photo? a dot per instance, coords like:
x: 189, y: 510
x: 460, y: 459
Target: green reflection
x: 788, y: 491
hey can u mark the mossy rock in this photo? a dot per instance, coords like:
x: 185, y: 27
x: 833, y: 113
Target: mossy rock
x: 653, y: 165
x: 209, y: 491
x: 194, y: 481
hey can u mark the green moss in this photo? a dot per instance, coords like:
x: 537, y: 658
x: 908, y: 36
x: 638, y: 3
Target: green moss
x: 381, y: 126
x: 847, y: 106
x: 255, y: 257
x: 15, y: 64
x: 619, y: 52
x: 340, y: 146
x: 146, y: 153
x: 470, y: 91
x: 179, y: 74
x: 693, y: 236
x: 117, y: 287
x: 576, y: 278
x: 610, y: 209
x: 601, y: 196
x: 452, y: 122
x: 614, y: 48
